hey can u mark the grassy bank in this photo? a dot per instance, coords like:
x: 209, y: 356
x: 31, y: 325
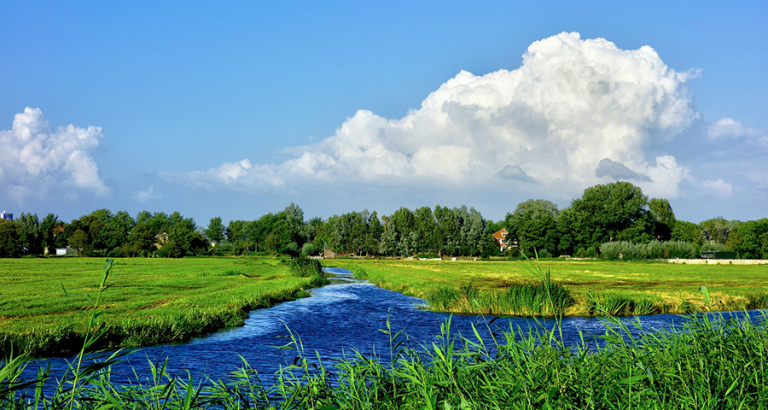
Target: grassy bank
x: 593, y: 287
x: 45, y: 304
x: 706, y: 364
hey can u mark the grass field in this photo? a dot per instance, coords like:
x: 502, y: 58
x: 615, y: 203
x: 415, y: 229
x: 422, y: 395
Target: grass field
x: 597, y: 287
x: 45, y: 304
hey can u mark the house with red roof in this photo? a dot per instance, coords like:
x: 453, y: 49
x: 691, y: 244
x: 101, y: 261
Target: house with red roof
x: 502, y: 240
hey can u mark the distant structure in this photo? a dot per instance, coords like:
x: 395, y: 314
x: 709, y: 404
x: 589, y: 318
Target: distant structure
x: 160, y: 240
x: 66, y: 251
x: 7, y: 216
x: 718, y: 255
x: 328, y: 252
x: 502, y: 241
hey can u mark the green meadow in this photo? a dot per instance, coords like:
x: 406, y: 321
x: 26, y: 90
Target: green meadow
x: 46, y: 304
x: 595, y: 287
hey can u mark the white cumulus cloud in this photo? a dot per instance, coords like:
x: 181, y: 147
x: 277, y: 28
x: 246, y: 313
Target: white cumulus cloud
x: 577, y: 112
x: 35, y: 159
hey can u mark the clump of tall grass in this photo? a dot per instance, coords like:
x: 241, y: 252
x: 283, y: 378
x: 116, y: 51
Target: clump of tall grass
x: 615, y: 305
x: 546, y: 298
x: 306, y: 267
x: 543, y: 298
x: 311, y: 268
x: 758, y: 300
x: 651, y: 250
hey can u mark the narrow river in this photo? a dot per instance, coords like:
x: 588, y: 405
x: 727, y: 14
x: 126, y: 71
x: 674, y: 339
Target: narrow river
x: 335, y: 321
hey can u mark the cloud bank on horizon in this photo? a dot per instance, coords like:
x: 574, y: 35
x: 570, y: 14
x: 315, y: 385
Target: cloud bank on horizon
x: 575, y: 113
x: 37, y: 161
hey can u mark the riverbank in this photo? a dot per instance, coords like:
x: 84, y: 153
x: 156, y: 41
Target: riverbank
x: 46, y: 304
x: 596, y: 287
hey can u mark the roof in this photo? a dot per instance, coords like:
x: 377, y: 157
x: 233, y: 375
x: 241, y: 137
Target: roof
x: 501, y: 234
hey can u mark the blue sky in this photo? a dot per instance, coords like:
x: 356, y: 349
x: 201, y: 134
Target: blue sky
x: 183, y: 94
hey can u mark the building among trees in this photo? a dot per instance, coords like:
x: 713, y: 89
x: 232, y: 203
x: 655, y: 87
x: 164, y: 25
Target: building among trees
x: 500, y: 237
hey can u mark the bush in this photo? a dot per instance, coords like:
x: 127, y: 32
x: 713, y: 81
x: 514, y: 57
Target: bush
x: 543, y: 253
x: 305, y: 267
x: 713, y: 247
x: 309, y: 249
x: 653, y: 250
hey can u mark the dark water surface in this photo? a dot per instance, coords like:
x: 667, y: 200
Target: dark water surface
x: 336, y: 319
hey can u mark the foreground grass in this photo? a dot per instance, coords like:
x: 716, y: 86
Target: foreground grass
x: 710, y: 363
x: 619, y: 288
x: 45, y: 304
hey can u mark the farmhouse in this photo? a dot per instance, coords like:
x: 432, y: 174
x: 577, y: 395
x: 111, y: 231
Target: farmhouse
x: 502, y: 241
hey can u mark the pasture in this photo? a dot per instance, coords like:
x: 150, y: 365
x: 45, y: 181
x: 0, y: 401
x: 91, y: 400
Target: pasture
x: 597, y: 287
x: 46, y: 304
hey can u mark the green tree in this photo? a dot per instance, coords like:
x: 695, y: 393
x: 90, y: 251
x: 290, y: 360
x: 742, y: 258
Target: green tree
x: 426, y: 228
x: 718, y: 229
x: 141, y: 240
x: 279, y: 239
x: 534, y: 225
x: 748, y: 237
x: 10, y: 239
x: 687, y: 232
x: 79, y: 240
x: 31, y: 238
x: 617, y: 211
x: 215, y: 230
x: 664, y: 218
x: 373, y: 235
x: 179, y: 243
x: 448, y: 237
x: 114, y: 231
x: 48, y: 232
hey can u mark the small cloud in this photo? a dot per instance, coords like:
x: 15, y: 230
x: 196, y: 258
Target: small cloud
x: 718, y: 186
x: 730, y: 128
x: 515, y: 173
x: 615, y: 170
x: 148, y: 195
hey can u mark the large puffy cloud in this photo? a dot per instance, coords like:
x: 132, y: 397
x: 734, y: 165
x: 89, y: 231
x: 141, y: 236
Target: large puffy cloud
x: 575, y: 113
x: 35, y: 159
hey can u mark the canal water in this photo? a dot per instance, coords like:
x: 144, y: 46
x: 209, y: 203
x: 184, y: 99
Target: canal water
x: 335, y: 321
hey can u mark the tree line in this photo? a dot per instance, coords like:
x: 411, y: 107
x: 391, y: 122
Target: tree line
x: 614, y: 212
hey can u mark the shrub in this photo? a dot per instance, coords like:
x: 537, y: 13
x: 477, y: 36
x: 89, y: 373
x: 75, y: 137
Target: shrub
x: 305, y: 267
x: 652, y: 250
x: 543, y: 253
x: 309, y: 249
